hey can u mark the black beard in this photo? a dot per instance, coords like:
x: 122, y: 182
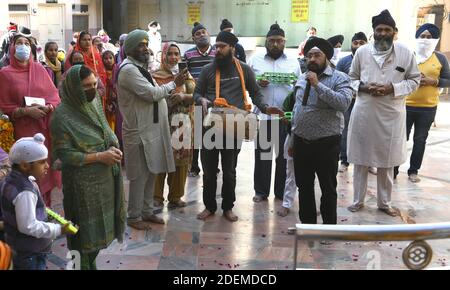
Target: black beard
x: 354, y: 51
x: 275, y: 56
x: 315, y: 68
x: 384, y: 43
x: 224, y: 62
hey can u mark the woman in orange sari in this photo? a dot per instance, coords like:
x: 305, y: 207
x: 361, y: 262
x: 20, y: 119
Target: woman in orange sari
x: 92, y: 58
x: 110, y: 105
x: 183, y: 104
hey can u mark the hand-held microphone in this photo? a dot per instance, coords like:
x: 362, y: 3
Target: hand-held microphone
x: 307, y: 92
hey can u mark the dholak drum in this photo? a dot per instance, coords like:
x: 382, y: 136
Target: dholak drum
x: 232, y: 122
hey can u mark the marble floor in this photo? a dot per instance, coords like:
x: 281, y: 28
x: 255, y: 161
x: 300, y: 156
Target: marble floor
x: 260, y: 240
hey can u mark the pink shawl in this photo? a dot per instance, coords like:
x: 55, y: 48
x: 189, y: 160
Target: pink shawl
x: 18, y: 81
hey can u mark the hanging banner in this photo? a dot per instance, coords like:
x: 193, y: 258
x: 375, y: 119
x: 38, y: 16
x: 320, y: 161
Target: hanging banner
x: 300, y: 11
x: 194, y: 13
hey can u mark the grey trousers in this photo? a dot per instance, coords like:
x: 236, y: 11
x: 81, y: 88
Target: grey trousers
x: 142, y: 189
x: 385, y: 181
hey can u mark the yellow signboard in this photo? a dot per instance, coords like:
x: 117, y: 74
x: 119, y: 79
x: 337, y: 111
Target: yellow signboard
x: 300, y: 11
x: 194, y: 13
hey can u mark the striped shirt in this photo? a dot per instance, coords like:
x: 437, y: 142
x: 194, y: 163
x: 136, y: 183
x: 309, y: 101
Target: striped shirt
x: 196, y: 60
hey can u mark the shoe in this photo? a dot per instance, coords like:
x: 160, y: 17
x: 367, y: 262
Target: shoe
x: 343, y: 168
x: 204, y: 215
x: 258, y: 199
x: 283, y: 212
x: 154, y: 219
x: 158, y: 204
x: 177, y: 204
x: 355, y: 208
x: 389, y: 211
x: 230, y: 216
x: 373, y: 170
x: 139, y: 225
x: 414, y: 178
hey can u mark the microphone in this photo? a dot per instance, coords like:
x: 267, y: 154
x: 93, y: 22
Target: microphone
x: 307, y: 92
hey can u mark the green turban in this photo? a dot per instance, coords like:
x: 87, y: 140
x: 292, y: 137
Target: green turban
x: 134, y: 38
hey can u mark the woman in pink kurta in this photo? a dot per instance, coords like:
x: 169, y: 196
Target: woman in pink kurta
x: 29, y: 78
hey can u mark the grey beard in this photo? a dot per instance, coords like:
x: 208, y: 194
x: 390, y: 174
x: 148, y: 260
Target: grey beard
x: 383, y: 44
x: 144, y: 58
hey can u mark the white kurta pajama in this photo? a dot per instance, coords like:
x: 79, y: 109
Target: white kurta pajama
x: 147, y: 145
x: 377, y: 130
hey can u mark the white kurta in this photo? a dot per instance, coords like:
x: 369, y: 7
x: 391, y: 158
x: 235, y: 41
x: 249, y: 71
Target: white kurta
x: 377, y: 130
x: 136, y: 99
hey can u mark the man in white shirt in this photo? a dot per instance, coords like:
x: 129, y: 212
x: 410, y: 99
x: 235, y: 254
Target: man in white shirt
x: 273, y: 61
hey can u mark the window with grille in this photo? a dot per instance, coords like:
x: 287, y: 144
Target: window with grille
x: 80, y: 23
x: 18, y: 7
x: 77, y: 8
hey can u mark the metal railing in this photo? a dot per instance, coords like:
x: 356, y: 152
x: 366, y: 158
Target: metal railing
x: 417, y: 256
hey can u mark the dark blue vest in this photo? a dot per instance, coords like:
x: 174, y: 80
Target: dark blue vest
x: 11, y: 187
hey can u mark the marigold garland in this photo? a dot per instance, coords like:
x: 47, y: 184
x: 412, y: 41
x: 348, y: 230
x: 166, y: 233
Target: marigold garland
x: 6, y: 133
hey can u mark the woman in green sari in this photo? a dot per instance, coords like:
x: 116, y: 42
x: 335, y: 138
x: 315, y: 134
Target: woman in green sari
x: 92, y: 179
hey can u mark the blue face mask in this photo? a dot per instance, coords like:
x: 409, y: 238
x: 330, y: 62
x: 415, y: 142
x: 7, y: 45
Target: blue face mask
x: 23, y: 52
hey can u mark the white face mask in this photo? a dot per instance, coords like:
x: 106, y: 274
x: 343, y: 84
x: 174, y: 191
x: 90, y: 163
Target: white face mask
x: 425, y: 48
x: 153, y: 29
x: 337, y: 51
x: 23, y: 52
x: 175, y: 69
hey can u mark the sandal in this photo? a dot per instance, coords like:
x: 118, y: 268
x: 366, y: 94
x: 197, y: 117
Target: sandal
x: 177, y: 204
x: 204, y: 215
x: 230, y: 216
x: 139, y: 225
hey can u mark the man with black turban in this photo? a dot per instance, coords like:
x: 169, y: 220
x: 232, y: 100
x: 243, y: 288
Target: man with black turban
x: 323, y: 96
x: 336, y: 41
x: 273, y: 60
x: 196, y: 58
x: 358, y: 40
x: 234, y: 79
x: 384, y: 73
x: 226, y: 25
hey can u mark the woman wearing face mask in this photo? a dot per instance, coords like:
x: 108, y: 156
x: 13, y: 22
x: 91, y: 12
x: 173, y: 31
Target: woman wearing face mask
x: 97, y: 43
x: 181, y: 102
x: 92, y: 179
x: 421, y: 106
x: 105, y: 39
x: 27, y: 78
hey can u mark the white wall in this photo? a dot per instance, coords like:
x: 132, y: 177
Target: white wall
x: 95, y: 15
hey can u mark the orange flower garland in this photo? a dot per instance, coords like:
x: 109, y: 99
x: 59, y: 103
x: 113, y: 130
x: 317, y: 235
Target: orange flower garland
x: 6, y: 133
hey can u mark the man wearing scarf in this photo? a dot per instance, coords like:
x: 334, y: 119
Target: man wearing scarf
x: 336, y: 41
x: 323, y: 96
x: 234, y: 78
x: 146, y: 130
x: 274, y: 60
x: 384, y: 73
x: 421, y: 106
